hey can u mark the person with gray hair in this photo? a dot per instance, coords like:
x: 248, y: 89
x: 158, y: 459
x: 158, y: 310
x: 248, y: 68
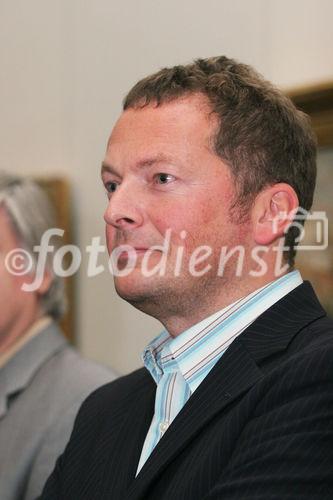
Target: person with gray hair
x: 43, y: 380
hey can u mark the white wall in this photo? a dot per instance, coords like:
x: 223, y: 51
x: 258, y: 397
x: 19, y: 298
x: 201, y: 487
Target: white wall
x: 65, y: 66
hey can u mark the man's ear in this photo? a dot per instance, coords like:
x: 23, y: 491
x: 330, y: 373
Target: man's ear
x: 45, y: 283
x: 273, y: 212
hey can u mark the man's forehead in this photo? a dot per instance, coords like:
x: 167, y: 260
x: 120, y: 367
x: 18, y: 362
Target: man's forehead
x: 179, y: 121
x: 193, y: 104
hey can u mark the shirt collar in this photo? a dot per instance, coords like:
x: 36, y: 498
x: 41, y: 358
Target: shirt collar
x: 192, y: 352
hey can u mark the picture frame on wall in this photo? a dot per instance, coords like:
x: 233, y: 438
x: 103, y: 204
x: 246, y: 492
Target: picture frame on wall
x: 317, y: 265
x: 58, y: 191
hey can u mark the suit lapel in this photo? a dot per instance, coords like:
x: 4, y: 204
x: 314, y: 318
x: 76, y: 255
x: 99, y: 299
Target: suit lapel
x: 235, y: 373
x: 275, y: 328
x: 142, y: 414
x: 222, y: 385
x: 20, y: 370
x: 127, y: 436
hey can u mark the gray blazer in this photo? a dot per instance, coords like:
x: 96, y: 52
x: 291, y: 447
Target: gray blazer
x: 41, y: 390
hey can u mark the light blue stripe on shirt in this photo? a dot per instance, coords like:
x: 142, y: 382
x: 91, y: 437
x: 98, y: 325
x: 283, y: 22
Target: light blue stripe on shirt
x: 179, y: 365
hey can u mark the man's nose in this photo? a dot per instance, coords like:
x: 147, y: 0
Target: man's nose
x: 123, y: 210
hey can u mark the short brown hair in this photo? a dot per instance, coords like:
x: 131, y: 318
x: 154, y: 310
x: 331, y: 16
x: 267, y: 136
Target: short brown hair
x: 261, y: 135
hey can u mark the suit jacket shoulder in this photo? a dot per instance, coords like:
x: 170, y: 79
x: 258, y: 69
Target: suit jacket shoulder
x: 258, y: 426
x: 41, y: 389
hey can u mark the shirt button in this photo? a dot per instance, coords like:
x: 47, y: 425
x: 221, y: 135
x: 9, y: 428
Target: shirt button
x: 164, y: 426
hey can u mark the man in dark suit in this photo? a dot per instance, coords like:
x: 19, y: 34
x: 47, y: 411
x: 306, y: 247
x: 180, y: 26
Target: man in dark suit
x: 205, y: 170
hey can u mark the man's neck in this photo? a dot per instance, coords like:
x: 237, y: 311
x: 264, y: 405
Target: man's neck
x: 30, y: 333
x: 17, y: 330
x: 175, y: 324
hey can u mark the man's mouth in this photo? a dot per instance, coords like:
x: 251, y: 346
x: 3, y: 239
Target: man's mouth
x: 132, y: 251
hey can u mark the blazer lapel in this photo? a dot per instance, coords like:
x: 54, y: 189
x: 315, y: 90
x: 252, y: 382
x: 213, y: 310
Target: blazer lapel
x: 275, y: 328
x: 20, y: 370
x: 222, y: 385
x: 235, y: 373
x: 126, y: 435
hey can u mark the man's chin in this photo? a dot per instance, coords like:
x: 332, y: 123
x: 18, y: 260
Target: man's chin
x: 133, y: 289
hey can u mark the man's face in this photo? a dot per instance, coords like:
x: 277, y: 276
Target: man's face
x: 17, y: 307
x: 161, y: 175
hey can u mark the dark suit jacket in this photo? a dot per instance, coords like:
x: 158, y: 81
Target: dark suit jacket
x: 260, y: 426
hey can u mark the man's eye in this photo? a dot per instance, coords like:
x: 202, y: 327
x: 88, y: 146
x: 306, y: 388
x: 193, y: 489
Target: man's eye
x: 163, y: 178
x: 111, y: 186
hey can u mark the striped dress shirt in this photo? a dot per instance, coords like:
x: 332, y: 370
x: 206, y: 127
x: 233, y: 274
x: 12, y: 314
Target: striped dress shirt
x: 179, y: 365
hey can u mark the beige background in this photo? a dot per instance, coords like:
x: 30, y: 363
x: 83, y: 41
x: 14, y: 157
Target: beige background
x: 66, y: 65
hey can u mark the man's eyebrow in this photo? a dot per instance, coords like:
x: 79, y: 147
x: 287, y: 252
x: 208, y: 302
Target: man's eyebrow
x: 148, y: 162
x: 105, y: 167
x: 145, y: 162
